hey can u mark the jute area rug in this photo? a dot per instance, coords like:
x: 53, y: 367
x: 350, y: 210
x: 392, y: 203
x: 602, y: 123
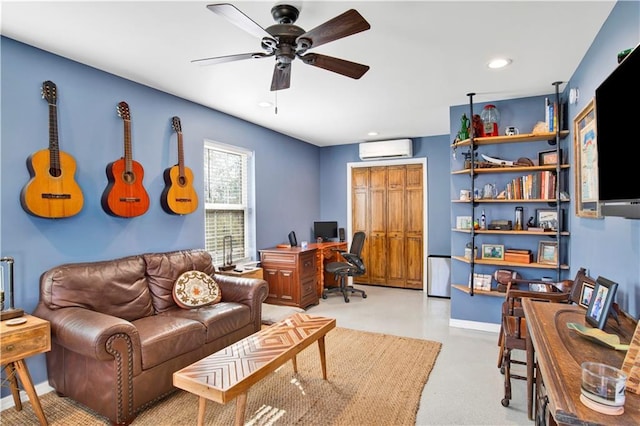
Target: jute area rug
x: 373, y: 379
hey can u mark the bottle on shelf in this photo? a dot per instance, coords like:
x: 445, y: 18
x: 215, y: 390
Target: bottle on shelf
x: 483, y: 220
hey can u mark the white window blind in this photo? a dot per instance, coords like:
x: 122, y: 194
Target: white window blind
x: 226, y: 202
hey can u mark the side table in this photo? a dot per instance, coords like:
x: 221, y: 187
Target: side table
x: 247, y: 273
x: 18, y: 342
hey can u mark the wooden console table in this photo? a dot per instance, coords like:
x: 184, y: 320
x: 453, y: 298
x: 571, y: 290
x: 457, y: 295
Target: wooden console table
x: 560, y: 353
x: 18, y: 342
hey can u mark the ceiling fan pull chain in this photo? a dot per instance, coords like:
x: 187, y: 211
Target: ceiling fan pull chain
x: 276, y: 103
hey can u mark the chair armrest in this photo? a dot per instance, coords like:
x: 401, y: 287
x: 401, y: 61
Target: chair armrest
x: 86, y: 332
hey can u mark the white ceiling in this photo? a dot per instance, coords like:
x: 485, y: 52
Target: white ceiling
x: 424, y: 56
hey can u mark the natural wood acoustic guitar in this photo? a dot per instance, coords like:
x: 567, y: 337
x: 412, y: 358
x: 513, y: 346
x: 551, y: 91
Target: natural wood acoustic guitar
x: 52, y: 191
x: 179, y: 196
x: 125, y: 195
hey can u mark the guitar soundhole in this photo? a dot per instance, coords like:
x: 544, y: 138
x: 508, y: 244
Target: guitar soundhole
x: 128, y: 177
x: 182, y: 180
x: 55, y: 172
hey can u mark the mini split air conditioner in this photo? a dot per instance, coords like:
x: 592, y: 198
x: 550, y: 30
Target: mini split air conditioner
x: 399, y: 148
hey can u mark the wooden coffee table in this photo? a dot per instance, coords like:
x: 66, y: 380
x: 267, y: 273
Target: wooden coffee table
x: 230, y: 372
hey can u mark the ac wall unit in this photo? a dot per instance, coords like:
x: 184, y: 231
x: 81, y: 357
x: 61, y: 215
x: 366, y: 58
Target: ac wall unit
x: 399, y: 148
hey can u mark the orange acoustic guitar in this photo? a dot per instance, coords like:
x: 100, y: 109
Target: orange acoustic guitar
x: 178, y: 196
x: 52, y: 191
x: 125, y: 195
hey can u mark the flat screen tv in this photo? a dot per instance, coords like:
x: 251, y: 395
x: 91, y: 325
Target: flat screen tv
x: 618, y: 139
x: 325, y: 230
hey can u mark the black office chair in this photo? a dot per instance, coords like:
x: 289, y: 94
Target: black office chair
x: 353, y: 267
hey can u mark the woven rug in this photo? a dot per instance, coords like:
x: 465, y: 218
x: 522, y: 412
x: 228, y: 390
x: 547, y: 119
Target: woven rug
x: 372, y: 379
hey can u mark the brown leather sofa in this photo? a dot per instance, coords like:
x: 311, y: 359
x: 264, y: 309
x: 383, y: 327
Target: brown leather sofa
x: 118, y: 336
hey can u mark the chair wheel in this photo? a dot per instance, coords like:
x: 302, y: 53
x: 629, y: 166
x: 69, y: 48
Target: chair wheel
x: 501, y: 370
x: 364, y: 296
x: 346, y: 300
x: 324, y: 296
x: 505, y: 402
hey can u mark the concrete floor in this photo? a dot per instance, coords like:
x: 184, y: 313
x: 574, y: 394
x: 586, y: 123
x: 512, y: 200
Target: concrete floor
x: 465, y: 386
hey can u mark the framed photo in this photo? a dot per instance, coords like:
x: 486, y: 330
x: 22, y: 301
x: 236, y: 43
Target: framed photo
x: 585, y: 151
x: 463, y: 222
x: 546, y: 158
x: 481, y: 281
x: 548, y: 252
x: 586, y: 292
x: 548, y: 219
x: 493, y: 251
x: 600, y: 303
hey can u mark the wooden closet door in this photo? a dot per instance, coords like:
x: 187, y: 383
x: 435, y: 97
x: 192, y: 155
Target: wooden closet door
x: 377, y: 235
x: 359, y: 208
x: 414, y: 196
x: 396, y: 259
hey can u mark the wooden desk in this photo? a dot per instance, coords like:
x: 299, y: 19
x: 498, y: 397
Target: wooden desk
x: 326, y: 253
x: 291, y: 274
x: 17, y: 343
x: 560, y: 352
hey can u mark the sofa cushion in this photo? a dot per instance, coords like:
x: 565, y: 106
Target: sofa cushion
x: 220, y: 319
x: 165, y: 337
x: 114, y: 287
x: 194, y: 289
x: 163, y: 269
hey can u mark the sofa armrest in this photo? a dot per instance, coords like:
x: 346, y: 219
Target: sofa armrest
x: 87, y: 332
x: 248, y: 291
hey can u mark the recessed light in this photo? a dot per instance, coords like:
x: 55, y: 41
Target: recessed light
x: 372, y: 134
x: 499, y: 63
x: 265, y: 104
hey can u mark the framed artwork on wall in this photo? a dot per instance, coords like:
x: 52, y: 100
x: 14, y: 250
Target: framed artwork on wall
x: 585, y: 165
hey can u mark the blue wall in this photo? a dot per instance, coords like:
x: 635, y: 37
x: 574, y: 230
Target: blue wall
x: 609, y: 247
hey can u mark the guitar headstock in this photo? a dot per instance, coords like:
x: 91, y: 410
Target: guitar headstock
x: 49, y: 92
x: 123, y: 111
x: 175, y: 123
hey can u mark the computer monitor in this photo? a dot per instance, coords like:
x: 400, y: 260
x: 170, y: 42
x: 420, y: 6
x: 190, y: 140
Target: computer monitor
x: 325, y: 230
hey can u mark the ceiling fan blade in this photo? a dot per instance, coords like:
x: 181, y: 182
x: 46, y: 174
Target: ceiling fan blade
x: 281, y: 78
x: 229, y: 58
x: 337, y: 65
x: 236, y: 17
x: 350, y: 22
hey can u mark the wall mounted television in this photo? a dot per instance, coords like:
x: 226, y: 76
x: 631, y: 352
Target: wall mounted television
x: 325, y: 230
x: 618, y: 138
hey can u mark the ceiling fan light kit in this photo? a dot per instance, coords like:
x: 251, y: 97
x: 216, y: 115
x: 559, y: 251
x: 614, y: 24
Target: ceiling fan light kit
x: 286, y: 41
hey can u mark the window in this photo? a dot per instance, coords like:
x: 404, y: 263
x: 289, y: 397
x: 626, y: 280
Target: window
x: 227, y: 190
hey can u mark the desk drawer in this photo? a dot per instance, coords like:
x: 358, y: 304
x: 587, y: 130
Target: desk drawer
x: 307, y: 265
x: 281, y: 258
x: 25, y: 342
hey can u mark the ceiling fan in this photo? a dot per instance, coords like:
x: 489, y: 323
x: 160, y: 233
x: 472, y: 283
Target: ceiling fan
x: 287, y: 41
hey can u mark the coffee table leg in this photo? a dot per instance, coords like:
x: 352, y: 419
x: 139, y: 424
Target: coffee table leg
x: 294, y: 361
x: 241, y: 405
x: 202, y: 406
x: 323, y: 359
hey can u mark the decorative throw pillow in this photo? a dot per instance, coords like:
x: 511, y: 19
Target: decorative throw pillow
x: 194, y: 289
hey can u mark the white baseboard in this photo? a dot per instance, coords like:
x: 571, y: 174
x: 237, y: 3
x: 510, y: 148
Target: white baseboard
x: 474, y: 325
x: 41, y: 389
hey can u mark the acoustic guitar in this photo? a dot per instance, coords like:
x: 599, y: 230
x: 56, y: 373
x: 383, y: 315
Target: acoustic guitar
x: 125, y: 195
x: 52, y: 191
x: 179, y: 196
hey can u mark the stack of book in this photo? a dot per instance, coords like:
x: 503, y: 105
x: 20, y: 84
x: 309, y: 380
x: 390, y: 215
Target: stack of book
x: 517, y: 255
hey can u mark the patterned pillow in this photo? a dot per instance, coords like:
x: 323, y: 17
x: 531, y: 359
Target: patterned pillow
x: 194, y: 289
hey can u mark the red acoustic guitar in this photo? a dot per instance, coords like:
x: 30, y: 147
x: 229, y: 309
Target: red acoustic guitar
x: 125, y: 195
x: 52, y: 191
x: 179, y: 196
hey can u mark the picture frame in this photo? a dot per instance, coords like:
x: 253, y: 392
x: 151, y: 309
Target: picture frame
x: 600, y: 303
x: 586, y: 292
x: 481, y: 281
x: 493, y: 252
x: 585, y: 152
x: 548, y: 219
x: 463, y: 222
x: 550, y: 157
x: 548, y: 252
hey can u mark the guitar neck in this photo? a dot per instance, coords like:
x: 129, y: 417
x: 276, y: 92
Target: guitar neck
x: 54, y: 148
x: 180, y: 155
x: 128, y: 157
